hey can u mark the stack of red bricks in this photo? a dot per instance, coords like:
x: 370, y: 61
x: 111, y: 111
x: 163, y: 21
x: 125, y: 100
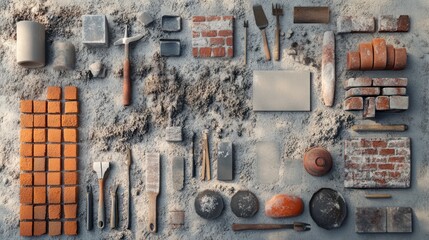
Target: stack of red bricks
x: 377, y: 162
x: 49, y: 151
x: 212, y: 36
x: 376, y: 94
x: 377, y: 55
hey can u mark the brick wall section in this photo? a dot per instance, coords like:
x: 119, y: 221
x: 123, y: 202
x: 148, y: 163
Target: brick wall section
x: 389, y: 94
x: 213, y: 36
x: 377, y: 162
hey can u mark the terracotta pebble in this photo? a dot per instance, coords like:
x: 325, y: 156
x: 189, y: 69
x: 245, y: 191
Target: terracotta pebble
x: 353, y: 61
x: 390, y: 57
x: 380, y: 53
x: 283, y: 205
x: 400, y: 58
x: 366, y: 56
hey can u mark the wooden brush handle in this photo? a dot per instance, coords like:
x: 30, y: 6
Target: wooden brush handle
x: 100, y: 222
x: 266, y: 49
x: 242, y: 227
x: 276, y: 50
x: 152, y: 227
x: 127, y: 83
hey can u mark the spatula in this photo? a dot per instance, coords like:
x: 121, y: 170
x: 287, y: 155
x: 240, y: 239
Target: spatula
x: 152, y: 187
x: 262, y: 23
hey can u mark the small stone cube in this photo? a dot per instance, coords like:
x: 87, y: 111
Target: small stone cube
x: 39, y: 228
x: 39, y: 106
x: 54, y: 93
x: 71, y: 178
x: 71, y: 107
x: 70, y: 93
x: 54, y: 178
x: 26, y: 229
x: 27, y: 120
x: 398, y: 102
x: 39, y: 164
x: 39, y: 179
x: 39, y: 135
x: 70, y: 164
x: 26, y: 212
x: 54, y: 228
x: 70, y: 134
x: 39, y: 195
x: 70, y: 211
x: 26, y: 195
x: 40, y: 212
x: 70, y: 120
x: 95, y: 30
x: 40, y: 121
x: 26, y: 164
x: 54, y: 120
x: 54, y: 150
x: 26, y: 149
x: 26, y: 106
x: 54, y: 195
x: 174, y: 134
x: 54, y: 211
x: 70, y: 150
x: 70, y: 194
x: 54, y: 107
x: 26, y: 135
x: 54, y: 135
x: 54, y: 164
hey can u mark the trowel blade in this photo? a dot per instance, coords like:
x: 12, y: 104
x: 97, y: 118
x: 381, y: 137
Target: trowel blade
x: 128, y: 40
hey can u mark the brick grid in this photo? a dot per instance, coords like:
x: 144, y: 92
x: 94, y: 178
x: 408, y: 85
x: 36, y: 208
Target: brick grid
x: 213, y: 36
x: 49, y: 176
x: 377, y: 162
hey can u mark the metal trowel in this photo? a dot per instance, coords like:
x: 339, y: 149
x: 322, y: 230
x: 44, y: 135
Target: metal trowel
x: 100, y: 168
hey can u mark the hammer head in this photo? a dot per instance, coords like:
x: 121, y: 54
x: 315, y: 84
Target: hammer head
x: 100, y: 168
x: 126, y: 39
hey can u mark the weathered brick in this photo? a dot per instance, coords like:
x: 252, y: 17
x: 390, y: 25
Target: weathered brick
x: 39, y: 195
x: 211, y: 33
x: 70, y: 228
x: 388, y: 91
x: 26, y: 149
x: 399, y: 102
x: 205, y: 52
x: 218, y: 52
x: 39, y: 135
x: 213, y: 18
x: 389, y: 82
x: 229, y: 41
x: 70, y: 134
x: 54, y: 178
x: 198, y: 19
x: 26, y: 229
x: 40, y: 212
x: 379, y: 144
x: 39, y: 228
x: 39, y: 164
x: 27, y: 120
x: 39, y: 179
x: 54, y: 93
x: 39, y: 106
x: 54, y: 135
x: 40, y: 121
x: 26, y: 135
x: 369, y: 108
x: 70, y: 120
x: 353, y: 103
x: 387, y: 151
x: 70, y: 93
x: 353, y: 24
x: 54, y: 120
x: 195, y: 52
x: 54, y: 228
x: 397, y: 159
x: 26, y: 195
x: 225, y: 33
x: 71, y: 107
x: 26, y: 106
x: 357, y: 82
x: 54, y: 211
x: 54, y: 164
x: 391, y: 23
x: 382, y: 103
x: 54, y: 107
x: 54, y: 195
x: 26, y: 164
x: 386, y: 166
x: 70, y: 150
x: 217, y: 41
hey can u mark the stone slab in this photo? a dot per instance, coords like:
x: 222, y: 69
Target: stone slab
x: 173, y: 134
x: 399, y: 220
x: 225, y: 162
x: 178, y: 175
x: 95, y: 30
x: 370, y: 220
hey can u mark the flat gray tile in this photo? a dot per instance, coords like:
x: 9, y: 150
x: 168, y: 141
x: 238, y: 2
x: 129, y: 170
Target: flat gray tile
x: 399, y: 219
x: 370, y: 220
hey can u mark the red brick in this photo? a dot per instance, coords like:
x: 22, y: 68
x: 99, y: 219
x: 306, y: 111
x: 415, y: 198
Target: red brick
x: 225, y: 33
x: 70, y: 228
x: 70, y: 150
x: 39, y: 135
x: 54, y: 93
x: 363, y: 91
x: 379, y: 144
x: 399, y: 102
x: 39, y: 228
x: 198, y: 18
x: 195, y: 52
x: 40, y: 212
x: 205, y: 52
x: 210, y: 33
x: 54, y: 228
x: 70, y: 134
x: 26, y: 179
x: 39, y: 106
x: 369, y: 107
x: 27, y: 120
x: 70, y: 164
x: 71, y: 178
x: 380, y: 53
x: 398, y: 143
x: 71, y: 107
x: 26, y: 195
x: 26, y: 106
x: 213, y: 18
x: 26, y: 212
x: 70, y: 93
x: 353, y: 103
x: 39, y: 195
x: 195, y: 34
x: 54, y: 107
x: 218, y: 52
x: 394, y: 174
x: 390, y: 82
x: 387, y: 166
x: 353, y: 61
x: 400, y: 58
x: 387, y: 151
x: 389, y: 91
x: 70, y: 194
x: 26, y: 149
x: 390, y: 57
x: 365, y: 143
x: 370, y: 151
x: 366, y: 56
x: 70, y: 120
x: 54, y: 178
x: 397, y: 159
x: 230, y: 52
x: 54, y: 120
x: 228, y: 18
x: 26, y: 164
x: 40, y: 121
x: 368, y: 166
x: 39, y: 164
x: 54, y: 211
x: 382, y: 103
x: 54, y: 135
x: 229, y: 41
x: 54, y: 195
x: 54, y: 150
x: 217, y: 41
x: 39, y: 179
x: 380, y: 181
x: 70, y: 211
x: 357, y: 82
x: 54, y: 164
x: 26, y: 135
x: 26, y: 229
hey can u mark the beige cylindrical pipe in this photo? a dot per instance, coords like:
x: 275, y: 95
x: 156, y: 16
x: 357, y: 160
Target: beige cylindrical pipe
x: 30, y: 44
x: 64, y: 55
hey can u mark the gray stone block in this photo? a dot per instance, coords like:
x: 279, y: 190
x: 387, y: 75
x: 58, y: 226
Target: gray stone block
x: 225, y: 162
x: 178, y: 175
x: 174, y: 134
x: 399, y: 220
x: 95, y: 30
x: 370, y: 220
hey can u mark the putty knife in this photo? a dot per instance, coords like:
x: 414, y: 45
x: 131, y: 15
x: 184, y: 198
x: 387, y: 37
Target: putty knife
x: 152, y: 187
x: 262, y: 22
x: 100, y: 168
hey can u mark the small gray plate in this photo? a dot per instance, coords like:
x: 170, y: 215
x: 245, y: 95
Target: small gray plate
x: 169, y: 47
x: 171, y: 23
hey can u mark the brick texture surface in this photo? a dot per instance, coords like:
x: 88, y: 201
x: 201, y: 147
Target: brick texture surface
x: 377, y: 162
x: 213, y: 36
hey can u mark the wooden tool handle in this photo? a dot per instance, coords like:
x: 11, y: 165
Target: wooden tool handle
x: 380, y: 128
x: 242, y: 227
x: 127, y: 83
x: 152, y: 227
x: 101, y: 218
x: 277, y: 45
x: 378, y: 195
x: 89, y: 211
x: 266, y: 49
x: 113, y: 210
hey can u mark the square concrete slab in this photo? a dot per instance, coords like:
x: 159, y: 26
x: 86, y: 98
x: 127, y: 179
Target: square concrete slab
x: 370, y: 220
x: 267, y: 162
x: 399, y: 219
x: 95, y: 30
x: 173, y: 134
x: 178, y: 173
x: 281, y: 91
x: 224, y: 162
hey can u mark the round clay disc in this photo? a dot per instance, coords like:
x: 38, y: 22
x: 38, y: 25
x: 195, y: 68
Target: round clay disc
x: 209, y: 204
x: 244, y: 204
